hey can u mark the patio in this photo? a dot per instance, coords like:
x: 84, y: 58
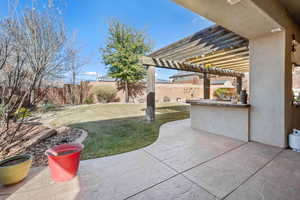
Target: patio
x: 182, y: 164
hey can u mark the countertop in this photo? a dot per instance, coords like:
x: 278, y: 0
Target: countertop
x: 204, y: 102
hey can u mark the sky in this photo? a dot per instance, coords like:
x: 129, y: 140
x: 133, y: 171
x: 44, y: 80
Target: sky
x: 163, y: 20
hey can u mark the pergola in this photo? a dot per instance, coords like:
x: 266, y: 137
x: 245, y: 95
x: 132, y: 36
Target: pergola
x: 214, y: 50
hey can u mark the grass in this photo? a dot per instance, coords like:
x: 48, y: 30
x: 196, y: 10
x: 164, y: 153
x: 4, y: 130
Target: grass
x: 118, y: 128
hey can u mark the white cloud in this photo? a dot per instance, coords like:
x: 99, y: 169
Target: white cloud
x: 90, y: 73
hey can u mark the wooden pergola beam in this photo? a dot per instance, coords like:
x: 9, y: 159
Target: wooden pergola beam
x: 157, y: 62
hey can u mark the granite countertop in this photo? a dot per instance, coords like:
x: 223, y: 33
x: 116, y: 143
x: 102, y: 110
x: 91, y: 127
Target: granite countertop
x: 204, y: 102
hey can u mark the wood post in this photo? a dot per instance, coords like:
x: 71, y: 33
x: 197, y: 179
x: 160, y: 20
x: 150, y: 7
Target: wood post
x: 206, y: 86
x: 239, y: 85
x: 150, y: 110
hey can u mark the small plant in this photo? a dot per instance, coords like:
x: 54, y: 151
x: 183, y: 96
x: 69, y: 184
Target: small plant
x: 22, y: 113
x: 88, y: 100
x: 105, y: 94
x: 166, y: 99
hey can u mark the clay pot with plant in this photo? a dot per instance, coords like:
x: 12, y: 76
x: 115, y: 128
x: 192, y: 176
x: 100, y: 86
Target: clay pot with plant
x: 14, y: 169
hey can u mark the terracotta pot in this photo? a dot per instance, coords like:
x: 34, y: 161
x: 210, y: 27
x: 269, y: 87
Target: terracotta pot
x: 14, y: 169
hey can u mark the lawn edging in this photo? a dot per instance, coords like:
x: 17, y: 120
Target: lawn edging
x: 82, y: 137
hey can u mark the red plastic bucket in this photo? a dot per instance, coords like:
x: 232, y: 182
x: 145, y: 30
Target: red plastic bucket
x: 64, y: 161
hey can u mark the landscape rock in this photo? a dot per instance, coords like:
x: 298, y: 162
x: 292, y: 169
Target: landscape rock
x: 63, y: 129
x: 40, y: 137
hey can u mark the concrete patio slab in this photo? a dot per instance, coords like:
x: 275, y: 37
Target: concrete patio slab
x: 5, y: 192
x: 182, y: 164
x: 114, y: 177
x: 182, y: 148
x: 224, y: 174
x: 279, y: 180
x: 175, y: 188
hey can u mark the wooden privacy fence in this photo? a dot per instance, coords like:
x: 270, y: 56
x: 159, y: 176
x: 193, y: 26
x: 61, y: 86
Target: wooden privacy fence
x: 69, y: 94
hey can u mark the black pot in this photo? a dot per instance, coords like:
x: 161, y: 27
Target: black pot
x: 244, y: 97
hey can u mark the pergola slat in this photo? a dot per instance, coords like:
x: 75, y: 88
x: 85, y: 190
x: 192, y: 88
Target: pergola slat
x: 191, y: 40
x: 241, y: 69
x: 214, y: 54
x: 157, y: 62
x: 204, y: 50
x: 223, y: 58
x: 236, y: 63
x: 235, y: 67
x: 202, y: 45
x: 245, y: 58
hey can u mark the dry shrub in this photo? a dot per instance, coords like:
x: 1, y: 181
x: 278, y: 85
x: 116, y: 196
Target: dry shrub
x: 105, y: 94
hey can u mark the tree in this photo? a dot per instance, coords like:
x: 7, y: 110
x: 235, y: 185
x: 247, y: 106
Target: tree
x: 13, y: 75
x: 122, y: 51
x: 41, y: 38
x: 32, y: 50
x: 75, y: 64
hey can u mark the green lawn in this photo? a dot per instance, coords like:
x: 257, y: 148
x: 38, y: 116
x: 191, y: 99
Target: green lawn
x: 118, y: 128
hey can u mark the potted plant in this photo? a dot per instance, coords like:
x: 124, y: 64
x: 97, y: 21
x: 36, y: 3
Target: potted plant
x: 14, y: 169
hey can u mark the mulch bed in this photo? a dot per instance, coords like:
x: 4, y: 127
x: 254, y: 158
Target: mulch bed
x: 35, y: 140
x: 38, y: 150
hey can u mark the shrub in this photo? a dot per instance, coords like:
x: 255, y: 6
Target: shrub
x: 105, y: 94
x: 88, y: 100
x: 22, y: 113
x: 166, y: 99
x: 224, y: 93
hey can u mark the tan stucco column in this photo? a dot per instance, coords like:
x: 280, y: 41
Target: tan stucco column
x: 270, y: 88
